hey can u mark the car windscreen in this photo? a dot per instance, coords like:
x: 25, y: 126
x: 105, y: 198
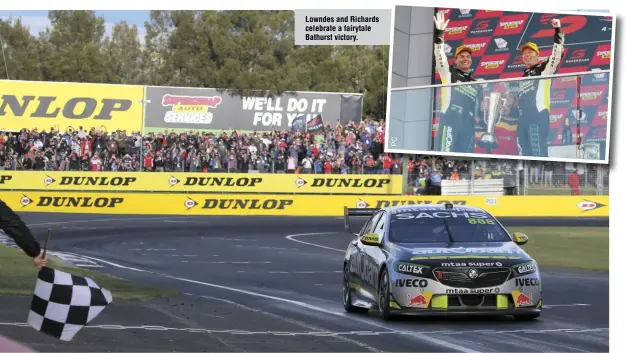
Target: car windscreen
x: 438, y: 225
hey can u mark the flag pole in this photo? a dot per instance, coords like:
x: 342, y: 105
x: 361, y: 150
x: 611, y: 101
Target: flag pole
x: 46, y: 243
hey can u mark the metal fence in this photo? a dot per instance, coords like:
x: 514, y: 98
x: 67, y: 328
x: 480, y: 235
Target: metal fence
x: 524, y: 178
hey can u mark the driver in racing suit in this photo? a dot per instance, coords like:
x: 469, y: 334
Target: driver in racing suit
x: 456, y: 132
x: 534, y: 96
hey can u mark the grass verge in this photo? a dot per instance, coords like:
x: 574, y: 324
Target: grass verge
x: 18, y: 277
x: 585, y: 248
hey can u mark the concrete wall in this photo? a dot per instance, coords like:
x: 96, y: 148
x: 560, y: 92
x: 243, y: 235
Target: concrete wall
x: 412, y: 65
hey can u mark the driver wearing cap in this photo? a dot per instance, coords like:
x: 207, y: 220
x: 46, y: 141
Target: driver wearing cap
x: 459, y: 104
x: 534, y: 96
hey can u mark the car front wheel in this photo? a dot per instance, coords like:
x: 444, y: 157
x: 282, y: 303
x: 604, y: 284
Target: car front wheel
x: 384, y: 296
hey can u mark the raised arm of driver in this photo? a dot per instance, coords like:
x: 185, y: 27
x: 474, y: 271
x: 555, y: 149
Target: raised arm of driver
x: 556, y: 55
x: 441, y: 61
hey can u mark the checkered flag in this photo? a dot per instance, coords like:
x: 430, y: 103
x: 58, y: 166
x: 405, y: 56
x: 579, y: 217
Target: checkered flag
x: 63, y: 303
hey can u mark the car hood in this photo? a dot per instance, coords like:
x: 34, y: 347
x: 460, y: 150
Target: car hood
x: 434, y: 254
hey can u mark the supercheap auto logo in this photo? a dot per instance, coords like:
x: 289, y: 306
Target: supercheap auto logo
x: 190, y: 109
x: 588, y: 205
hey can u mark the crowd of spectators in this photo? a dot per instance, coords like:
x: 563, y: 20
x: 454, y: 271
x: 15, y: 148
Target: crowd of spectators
x: 356, y: 148
x: 353, y: 148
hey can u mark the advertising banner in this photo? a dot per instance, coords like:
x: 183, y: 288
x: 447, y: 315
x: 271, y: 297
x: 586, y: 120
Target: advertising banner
x: 495, y: 38
x: 203, y: 182
x: 290, y: 205
x: 201, y: 109
x: 42, y: 105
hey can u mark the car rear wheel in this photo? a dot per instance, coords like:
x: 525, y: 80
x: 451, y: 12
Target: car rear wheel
x: 527, y: 317
x: 347, y: 295
x: 384, y: 296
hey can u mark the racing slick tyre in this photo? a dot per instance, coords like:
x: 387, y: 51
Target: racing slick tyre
x: 383, y: 301
x: 527, y: 317
x: 348, y: 301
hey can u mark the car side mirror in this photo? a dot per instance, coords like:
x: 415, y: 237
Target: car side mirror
x: 520, y: 238
x: 371, y: 239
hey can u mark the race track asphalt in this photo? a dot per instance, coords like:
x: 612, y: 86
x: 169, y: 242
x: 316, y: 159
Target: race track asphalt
x: 251, y: 276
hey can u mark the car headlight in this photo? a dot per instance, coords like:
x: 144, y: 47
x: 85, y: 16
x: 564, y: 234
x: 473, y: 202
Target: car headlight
x: 525, y: 268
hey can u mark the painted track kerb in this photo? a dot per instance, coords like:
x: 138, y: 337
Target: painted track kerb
x: 292, y: 236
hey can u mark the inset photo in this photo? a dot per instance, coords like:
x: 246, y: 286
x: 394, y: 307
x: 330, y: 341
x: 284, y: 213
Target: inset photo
x: 497, y: 83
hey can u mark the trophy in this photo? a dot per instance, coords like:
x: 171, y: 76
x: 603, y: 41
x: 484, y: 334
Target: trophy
x: 590, y: 151
x: 491, y: 117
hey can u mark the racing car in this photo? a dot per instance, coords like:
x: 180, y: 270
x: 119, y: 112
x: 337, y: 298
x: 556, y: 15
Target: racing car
x: 438, y: 259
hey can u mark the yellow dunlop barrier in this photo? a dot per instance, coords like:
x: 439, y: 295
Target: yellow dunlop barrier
x: 62, y: 105
x: 290, y: 205
x: 202, y: 182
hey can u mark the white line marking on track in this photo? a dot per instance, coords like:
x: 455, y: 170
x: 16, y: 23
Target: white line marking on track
x: 294, y: 322
x: 419, y: 336
x: 291, y: 237
x: 228, y: 262
x: 322, y: 333
x: 181, y: 221
x: 152, y: 249
x: 90, y: 228
x: 97, y: 220
x: 563, y: 305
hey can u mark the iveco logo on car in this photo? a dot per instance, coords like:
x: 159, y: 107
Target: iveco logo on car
x: 414, y: 283
x: 527, y: 282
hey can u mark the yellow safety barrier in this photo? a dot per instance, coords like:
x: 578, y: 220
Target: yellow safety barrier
x: 290, y: 205
x: 202, y: 182
x: 62, y: 105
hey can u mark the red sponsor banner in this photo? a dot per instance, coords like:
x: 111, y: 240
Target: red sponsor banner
x: 591, y: 96
x: 512, y: 24
x: 491, y: 64
x: 488, y: 14
x: 602, y: 55
x: 588, y: 47
x: 457, y: 30
x: 600, y: 117
x: 478, y: 45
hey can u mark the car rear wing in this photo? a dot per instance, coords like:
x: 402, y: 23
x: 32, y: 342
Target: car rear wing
x: 357, y: 212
